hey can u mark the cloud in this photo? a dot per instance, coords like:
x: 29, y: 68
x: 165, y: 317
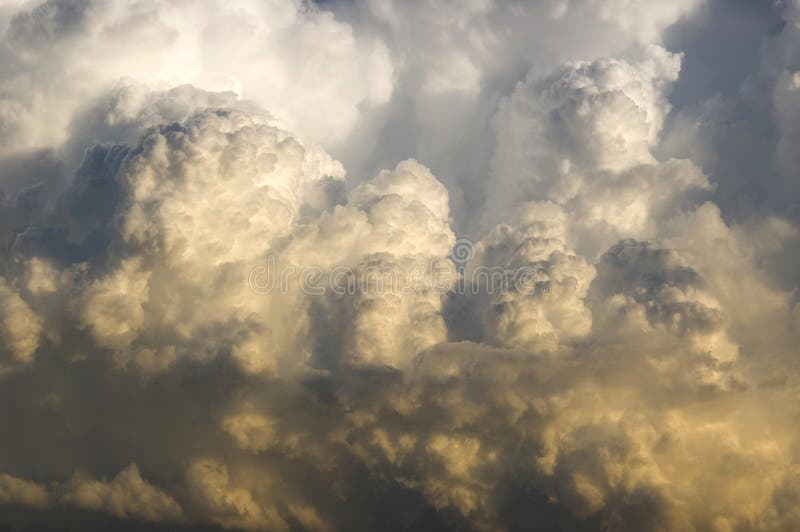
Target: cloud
x: 17, y: 491
x: 126, y: 496
x: 21, y: 327
x: 209, y: 485
x: 583, y: 138
x: 531, y: 302
x: 157, y: 226
x: 213, y: 46
x: 537, y: 301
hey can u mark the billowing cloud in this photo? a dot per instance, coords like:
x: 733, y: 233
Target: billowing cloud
x: 583, y: 138
x: 59, y: 52
x: 126, y: 496
x: 533, y: 301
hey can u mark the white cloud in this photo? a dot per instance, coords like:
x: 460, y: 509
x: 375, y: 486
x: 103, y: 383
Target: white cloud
x: 307, y: 67
x: 583, y: 138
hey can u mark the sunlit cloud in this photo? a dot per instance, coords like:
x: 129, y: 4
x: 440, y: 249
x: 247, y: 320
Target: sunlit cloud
x: 377, y: 264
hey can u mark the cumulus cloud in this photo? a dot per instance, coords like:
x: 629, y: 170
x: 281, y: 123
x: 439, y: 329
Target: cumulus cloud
x: 583, y: 138
x: 126, y: 496
x: 20, y: 325
x: 531, y: 302
x: 18, y: 491
x: 167, y: 208
x: 540, y: 302
x: 210, y: 487
x: 213, y: 46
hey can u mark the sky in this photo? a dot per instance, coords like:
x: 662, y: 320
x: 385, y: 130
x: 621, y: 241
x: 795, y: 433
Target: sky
x: 488, y: 265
